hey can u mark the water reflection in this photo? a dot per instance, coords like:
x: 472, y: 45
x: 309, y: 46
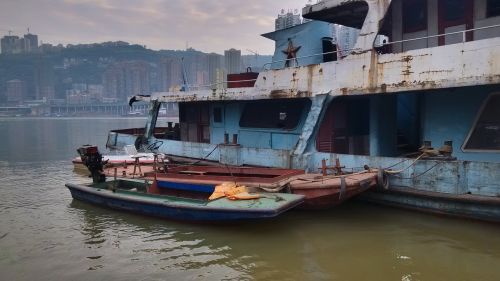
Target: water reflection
x: 167, y: 246
x: 337, y: 245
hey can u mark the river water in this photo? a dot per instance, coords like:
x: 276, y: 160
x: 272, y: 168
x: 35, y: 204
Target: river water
x: 46, y: 235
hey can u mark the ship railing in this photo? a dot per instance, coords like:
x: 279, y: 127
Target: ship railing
x: 266, y: 65
x: 462, y: 32
x: 347, y: 52
x: 217, y: 85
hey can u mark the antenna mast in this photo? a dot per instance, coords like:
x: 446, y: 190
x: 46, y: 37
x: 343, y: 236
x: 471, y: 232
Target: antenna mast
x: 256, y: 56
x: 185, y: 86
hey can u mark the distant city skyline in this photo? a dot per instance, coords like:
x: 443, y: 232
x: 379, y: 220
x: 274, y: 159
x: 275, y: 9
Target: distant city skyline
x: 208, y: 26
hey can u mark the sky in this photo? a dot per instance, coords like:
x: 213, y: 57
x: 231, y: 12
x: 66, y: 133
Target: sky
x: 205, y: 25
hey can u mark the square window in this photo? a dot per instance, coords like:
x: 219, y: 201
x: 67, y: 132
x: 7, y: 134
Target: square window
x: 274, y: 114
x: 217, y: 115
x: 414, y: 15
x: 485, y: 135
x: 454, y: 10
x: 493, y: 8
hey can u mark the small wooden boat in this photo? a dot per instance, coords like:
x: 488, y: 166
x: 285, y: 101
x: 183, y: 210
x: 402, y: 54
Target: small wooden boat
x: 323, y: 192
x: 320, y: 192
x: 141, y: 197
x: 132, y: 196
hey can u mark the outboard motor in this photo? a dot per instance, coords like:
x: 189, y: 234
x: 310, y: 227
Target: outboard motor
x: 93, y: 160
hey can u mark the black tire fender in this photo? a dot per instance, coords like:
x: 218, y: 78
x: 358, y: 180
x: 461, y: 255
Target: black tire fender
x: 382, y: 179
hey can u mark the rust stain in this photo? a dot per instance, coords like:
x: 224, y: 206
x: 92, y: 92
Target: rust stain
x: 276, y: 94
x: 407, y: 59
x: 428, y: 84
x: 404, y: 59
x: 407, y: 71
x: 383, y: 87
x: 310, y: 71
x: 436, y: 71
x: 304, y: 94
x: 406, y: 66
x: 380, y: 70
x: 373, y: 72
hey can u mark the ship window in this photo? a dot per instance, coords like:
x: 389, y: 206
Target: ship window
x: 217, y: 115
x: 485, y: 134
x: 454, y: 10
x: 493, y: 8
x: 194, y: 121
x: 345, y: 127
x: 274, y: 114
x: 329, y: 50
x: 414, y: 15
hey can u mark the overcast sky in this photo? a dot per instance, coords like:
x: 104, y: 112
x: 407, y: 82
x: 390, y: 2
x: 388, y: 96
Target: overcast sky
x: 207, y: 25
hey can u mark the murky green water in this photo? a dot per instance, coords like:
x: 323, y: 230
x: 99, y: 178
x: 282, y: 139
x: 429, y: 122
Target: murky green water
x: 45, y: 235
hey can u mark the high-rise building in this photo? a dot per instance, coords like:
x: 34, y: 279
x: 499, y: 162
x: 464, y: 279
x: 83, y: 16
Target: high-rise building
x: 137, y: 79
x: 214, y: 68
x: 95, y: 91
x: 175, y: 74
x: 194, y: 63
x: 170, y: 72
x: 287, y: 20
x: 44, y: 80
x: 124, y: 79
x: 15, y: 45
x: 232, y: 61
x: 16, y: 91
x: 30, y: 43
x: 165, y: 82
x: 11, y: 45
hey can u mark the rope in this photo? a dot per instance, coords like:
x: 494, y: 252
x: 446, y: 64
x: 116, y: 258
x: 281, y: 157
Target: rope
x: 206, y: 157
x: 199, y: 160
x: 402, y: 170
x: 419, y: 175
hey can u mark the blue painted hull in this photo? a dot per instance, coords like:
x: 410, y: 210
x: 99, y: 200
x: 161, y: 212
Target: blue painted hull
x: 466, y: 206
x: 171, y: 210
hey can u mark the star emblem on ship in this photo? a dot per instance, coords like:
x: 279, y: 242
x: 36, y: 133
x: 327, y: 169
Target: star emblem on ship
x: 291, y: 54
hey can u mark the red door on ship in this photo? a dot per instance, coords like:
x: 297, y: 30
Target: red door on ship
x: 455, y: 13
